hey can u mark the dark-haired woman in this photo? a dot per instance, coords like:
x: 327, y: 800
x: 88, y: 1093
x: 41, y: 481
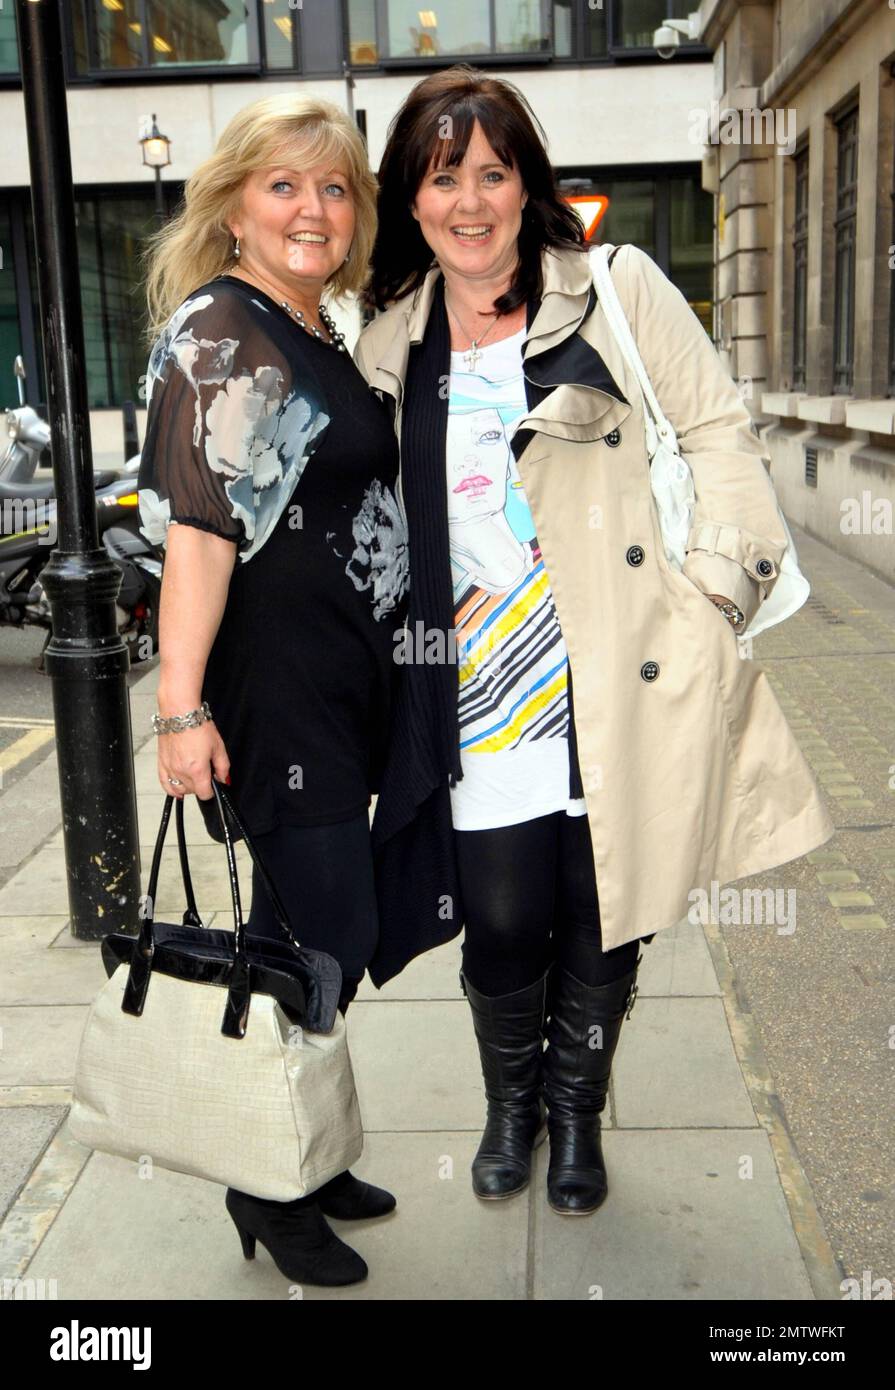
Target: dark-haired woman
x: 536, y: 554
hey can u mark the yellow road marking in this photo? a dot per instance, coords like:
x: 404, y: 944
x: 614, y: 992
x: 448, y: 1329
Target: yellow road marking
x: 23, y: 748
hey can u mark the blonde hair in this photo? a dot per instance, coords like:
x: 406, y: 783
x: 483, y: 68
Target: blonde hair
x: 196, y: 244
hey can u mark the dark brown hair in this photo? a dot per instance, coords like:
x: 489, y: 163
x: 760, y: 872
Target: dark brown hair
x: 401, y: 254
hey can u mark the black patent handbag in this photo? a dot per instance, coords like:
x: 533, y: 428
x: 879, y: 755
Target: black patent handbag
x: 306, y: 982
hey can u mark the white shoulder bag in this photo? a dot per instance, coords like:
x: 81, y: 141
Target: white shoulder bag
x: 670, y: 478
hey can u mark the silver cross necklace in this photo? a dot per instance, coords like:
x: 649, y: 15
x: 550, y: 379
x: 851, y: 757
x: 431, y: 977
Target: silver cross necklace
x: 472, y: 353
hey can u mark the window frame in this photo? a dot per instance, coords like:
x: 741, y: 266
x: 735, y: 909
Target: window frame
x: 891, y: 374
x: 441, y: 60
x: 662, y: 178
x: 535, y: 58
x: 96, y: 194
x: 845, y: 219
x: 623, y: 52
x: 801, y: 224
x: 164, y: 72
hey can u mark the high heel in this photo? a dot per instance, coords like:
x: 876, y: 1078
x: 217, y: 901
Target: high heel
x: 248, y: 1240
x: 296, y: 1236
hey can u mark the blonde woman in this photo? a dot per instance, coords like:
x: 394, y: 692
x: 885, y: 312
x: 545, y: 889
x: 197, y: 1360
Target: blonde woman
x: 269, y: 473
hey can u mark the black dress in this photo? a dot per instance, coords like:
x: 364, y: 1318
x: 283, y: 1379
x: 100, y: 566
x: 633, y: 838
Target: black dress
x: 262, y: 434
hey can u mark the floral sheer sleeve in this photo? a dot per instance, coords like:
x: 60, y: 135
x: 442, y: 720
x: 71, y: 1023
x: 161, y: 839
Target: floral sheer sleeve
x: 228, y: 432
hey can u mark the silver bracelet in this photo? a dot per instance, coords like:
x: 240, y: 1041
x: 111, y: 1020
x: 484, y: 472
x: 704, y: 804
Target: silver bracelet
x: 177, y: 722
x: 734, y: 615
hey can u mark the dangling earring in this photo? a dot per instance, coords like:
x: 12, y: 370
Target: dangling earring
x: 236, y: 251
x: 348, y: 257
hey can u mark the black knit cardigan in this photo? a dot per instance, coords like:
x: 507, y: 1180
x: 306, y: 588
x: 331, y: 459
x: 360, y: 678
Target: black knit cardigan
x: 413, y: 846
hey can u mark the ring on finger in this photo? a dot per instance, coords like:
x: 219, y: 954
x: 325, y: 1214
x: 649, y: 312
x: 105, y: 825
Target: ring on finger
x: 175, y: 781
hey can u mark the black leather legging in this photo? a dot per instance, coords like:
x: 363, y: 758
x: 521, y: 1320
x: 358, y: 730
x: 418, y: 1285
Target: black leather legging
x: 529, y: 897
x: 324, y: 876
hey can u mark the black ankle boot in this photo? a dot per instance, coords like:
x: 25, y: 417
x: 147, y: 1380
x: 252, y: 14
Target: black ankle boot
x: 300, y: 1243
x: 509, y: 1029
x: 349, y: 1199
x: 345, y: 1197
x: 576, y: 1084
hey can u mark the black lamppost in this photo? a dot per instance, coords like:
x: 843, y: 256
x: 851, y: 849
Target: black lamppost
x: 86, y: 658
x: 157, y: 156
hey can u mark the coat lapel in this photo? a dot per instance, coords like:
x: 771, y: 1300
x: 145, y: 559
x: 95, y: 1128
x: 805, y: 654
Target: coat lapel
x: 570, y: 390
x: 571, y: 393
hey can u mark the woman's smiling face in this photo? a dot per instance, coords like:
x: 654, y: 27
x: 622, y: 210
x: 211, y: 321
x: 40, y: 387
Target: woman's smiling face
x: 296, y: 224
x: 470, y: 214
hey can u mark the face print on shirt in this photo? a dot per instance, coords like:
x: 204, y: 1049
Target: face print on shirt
x: 490, y: 532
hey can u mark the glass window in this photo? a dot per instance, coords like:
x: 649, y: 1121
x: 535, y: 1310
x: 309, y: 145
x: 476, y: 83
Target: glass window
x: 692, y: 245
x: 9, y: 47
x: 165, y: 33
x: 563, y: 28
x: 800, y: 272
x: 637, y: 20
x: 454, y: 27
x: 670, y: 217
x: 846, y: 235
x: 199, y: 31
x: 111, y: 229
x: 119, y: 33
x: 18, y: 206
x: 596, y: 39
x: 280, y: 34
x: 10, y: 337
x: 80, y: 51
x: 631, y: 214
x: 523, y: 26
x: 362, y: 31
x: 892, y: 303
x: 579, y: 29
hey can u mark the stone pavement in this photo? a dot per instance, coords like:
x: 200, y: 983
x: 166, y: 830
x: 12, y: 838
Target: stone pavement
x: 708, y: 1196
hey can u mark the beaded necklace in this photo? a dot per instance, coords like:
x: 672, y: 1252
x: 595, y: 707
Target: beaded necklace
x: 338, y: 339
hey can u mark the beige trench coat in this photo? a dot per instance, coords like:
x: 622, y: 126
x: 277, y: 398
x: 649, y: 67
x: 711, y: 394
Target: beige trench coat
x: 691, y: 774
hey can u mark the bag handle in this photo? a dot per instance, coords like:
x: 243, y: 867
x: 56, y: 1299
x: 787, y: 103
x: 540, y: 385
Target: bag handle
x: 621, y: 331
x: 239, y: 990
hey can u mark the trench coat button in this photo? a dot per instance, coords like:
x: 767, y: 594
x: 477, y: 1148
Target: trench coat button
x: 634, y: 555
x: 649, y: 670
x: 765, y: 567
x: 614, y: 439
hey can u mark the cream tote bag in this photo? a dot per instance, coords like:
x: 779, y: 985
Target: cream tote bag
x: 670, y: 478
x: 215, y: 1053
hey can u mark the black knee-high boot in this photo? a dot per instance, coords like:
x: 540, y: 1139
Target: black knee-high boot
x: 577, y: 1066
x: 509, y: 1029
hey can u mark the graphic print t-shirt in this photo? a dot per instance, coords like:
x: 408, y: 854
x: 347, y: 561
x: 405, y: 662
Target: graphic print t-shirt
x: 513, y: 664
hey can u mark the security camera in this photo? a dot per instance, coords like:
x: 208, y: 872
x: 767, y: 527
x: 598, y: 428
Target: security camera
x: 667, y: 38
x: 666, y: 41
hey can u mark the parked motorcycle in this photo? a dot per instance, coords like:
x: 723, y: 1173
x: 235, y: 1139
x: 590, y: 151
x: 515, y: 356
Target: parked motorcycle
x: 28, y: 535
x: 28, y: 437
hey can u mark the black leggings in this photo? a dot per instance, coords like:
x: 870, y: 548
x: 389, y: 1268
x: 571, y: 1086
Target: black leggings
x: 324, y: 876
x: 530, y: 896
